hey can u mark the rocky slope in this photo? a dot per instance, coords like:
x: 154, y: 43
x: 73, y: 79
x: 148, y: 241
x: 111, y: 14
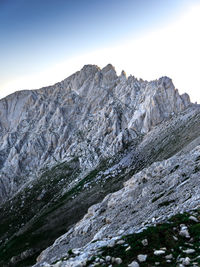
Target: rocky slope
x: 65, y: 147
x: 153, y: 195
x: 174, y: 242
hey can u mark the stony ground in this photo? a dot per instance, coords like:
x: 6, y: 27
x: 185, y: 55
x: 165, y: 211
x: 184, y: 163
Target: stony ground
x: 153, y: 195
x: 175, y: 242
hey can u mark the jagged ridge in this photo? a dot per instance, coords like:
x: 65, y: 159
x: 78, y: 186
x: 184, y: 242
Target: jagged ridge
x: 92, y: 115
x: 67, y: 146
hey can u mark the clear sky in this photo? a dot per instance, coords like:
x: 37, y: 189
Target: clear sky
x: 44, y: 41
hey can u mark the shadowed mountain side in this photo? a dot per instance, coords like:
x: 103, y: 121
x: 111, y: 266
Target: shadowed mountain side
x: 65, y: 147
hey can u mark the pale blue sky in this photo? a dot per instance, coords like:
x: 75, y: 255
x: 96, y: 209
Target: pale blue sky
x: 36, y: 35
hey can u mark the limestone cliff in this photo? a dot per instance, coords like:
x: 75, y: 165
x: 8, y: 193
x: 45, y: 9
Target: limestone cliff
x: 66, y: 147
x: 91, y: 115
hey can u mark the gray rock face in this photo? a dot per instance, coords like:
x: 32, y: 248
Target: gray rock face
x: 90, y: 115
x: 141, y: 257
x: 134, y: 264
x: 152, y: 195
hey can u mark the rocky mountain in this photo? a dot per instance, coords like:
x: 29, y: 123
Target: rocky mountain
x: 65, y: 147
x: 90, y: 115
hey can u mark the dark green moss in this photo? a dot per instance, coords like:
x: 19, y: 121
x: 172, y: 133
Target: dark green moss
x: 180, y: 218
x: 195, y: 231
x: 28, y: 203
x: 50, y: 221
x: 159, y: 236
x: 70, y: 252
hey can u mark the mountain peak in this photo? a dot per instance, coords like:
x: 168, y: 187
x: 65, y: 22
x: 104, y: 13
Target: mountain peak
x: 166, y: 82
x: 90, y: 67
x: 66, y: 146
x: 108, y: 67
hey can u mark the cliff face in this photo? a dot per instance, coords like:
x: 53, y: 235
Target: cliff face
x: 91, y: 115
x: 66, y: 147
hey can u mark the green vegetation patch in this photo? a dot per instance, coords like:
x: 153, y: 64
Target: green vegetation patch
x: 162, y: 236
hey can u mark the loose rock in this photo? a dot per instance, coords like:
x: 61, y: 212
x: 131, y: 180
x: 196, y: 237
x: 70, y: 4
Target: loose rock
x: 134, y: 264
x: 141, y: 257
x: 159, y: 252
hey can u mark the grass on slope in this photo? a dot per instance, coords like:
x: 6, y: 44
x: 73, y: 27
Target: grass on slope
x: 47, y: 216
x: 163, y: 235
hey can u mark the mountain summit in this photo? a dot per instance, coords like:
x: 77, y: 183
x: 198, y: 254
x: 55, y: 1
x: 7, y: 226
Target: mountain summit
x: 65, y: 147
x: 92, y: 114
